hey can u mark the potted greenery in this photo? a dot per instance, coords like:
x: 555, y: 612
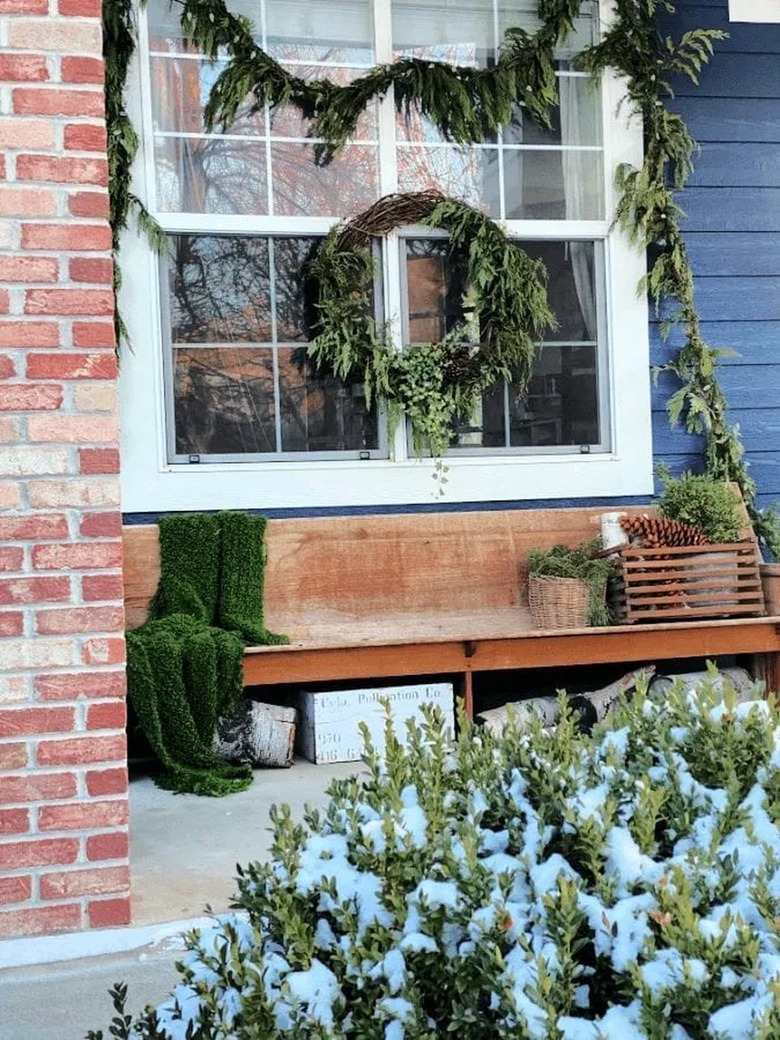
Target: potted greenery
x: 695, y: 560
x: 567, y: 586
x: 703, y: 502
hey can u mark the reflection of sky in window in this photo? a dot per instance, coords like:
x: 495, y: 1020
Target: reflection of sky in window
x: 208, y: 77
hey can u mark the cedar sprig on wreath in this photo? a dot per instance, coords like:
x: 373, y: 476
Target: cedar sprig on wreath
x: 430, y: 384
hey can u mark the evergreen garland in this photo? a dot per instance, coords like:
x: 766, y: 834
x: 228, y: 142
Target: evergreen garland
x: 120, y: 35
x: 465, y: 104
x: 432, y: 383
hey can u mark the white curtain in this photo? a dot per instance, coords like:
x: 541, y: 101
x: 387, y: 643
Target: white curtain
x: 578, y: 127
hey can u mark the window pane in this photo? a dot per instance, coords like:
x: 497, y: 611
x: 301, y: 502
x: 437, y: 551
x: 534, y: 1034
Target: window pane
x: 336, y: 31
x: 345, y: 187
x: 320, y: 413
x: 561, y: 405
x: 220, y: 290
x: 224, y: 401
x: 576, y: 121
x: 287, y: 121
x: 457, y: 32
x: 469, y: 174
x: 211, y: 175
x: 571, y: 288
x: 436, y: 285
x: 553, y: 185
x: 241, y: 381
x: 524, y: 13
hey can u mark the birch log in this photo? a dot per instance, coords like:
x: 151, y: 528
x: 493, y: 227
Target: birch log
x: 258, y: 734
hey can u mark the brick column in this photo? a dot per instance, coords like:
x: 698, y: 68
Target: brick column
x: 63, y: 768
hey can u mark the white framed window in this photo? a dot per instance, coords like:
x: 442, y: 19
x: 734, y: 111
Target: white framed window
x: 754, y: 11
x: 220, y: 364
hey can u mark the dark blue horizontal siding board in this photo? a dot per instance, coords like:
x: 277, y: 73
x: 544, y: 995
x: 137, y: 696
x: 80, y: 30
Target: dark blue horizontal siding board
x: 738, y: 299
x: 734, y: 254
x: 744, y: 37
x: 753, y: 386
x: 734, y: 76
x: 755, y: 342
x: 757, y: 386
x: 731, y: 119
x: 738, y: 166
x: 759, y: 428
x: 731, y: 209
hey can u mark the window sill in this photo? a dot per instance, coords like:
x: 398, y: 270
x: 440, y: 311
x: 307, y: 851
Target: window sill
x: 382, y: 482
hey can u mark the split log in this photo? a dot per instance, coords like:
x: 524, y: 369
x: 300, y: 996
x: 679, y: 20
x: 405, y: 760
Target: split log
x: 543, y: 708
x: 258, y: 734
x: 592, y: 707
x: 745, y: 687
x: 595, y: 705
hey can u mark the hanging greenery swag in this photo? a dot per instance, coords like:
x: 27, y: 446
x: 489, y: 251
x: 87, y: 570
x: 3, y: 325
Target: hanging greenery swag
x: 432, y: 383
x: 465, y: 105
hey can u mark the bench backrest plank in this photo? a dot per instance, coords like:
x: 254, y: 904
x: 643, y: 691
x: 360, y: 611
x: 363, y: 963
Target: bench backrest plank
x: 368, y: 565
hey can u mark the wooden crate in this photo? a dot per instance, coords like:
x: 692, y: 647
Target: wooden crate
x: 688, y: 582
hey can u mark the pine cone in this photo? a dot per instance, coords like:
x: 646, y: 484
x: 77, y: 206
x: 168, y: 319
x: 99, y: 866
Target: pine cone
x: 652, y: 532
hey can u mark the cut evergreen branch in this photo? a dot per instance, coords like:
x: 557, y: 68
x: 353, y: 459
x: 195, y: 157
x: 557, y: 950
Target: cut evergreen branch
x: 120, y: 38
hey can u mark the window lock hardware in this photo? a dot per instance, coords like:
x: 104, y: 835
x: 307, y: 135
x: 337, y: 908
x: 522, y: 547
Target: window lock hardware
x: 584, y: 449
x: 194, y: 459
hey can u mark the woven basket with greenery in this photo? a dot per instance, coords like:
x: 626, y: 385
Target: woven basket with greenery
x: 567, y: 586
x: 558, y: 602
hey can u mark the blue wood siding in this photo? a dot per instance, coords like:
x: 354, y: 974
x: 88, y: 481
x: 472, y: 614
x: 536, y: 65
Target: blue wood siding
x: 732, y: 226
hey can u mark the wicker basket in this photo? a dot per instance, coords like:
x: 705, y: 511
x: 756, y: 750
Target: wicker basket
x: 557, y: 602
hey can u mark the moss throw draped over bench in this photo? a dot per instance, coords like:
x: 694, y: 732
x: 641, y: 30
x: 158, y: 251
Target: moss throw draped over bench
x: 185, y: 663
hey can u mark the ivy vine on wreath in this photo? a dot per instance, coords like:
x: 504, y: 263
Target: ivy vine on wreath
x: 431, y: 383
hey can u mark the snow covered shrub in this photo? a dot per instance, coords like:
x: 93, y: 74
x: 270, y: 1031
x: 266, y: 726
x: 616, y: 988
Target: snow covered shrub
x: 622, y: 884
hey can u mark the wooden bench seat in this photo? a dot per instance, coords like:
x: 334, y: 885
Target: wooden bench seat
x: 433, y: 594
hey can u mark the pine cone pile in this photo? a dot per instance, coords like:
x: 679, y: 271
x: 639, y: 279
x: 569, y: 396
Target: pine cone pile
x: 653, y: 532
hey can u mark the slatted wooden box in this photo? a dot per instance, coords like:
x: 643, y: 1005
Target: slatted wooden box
x: 687, y: 582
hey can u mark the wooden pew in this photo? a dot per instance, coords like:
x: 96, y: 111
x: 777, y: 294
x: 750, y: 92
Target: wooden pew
x: 372, y: 597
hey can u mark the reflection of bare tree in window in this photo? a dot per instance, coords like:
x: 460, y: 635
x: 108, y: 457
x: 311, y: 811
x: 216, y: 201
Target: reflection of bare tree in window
x: 238, y: 397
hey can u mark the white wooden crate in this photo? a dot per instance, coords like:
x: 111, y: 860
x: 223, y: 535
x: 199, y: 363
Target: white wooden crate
x: 328, y: 727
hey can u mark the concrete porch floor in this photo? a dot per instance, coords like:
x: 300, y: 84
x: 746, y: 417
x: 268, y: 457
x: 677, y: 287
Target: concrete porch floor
x: 183, y: 855
x: 184, y: 848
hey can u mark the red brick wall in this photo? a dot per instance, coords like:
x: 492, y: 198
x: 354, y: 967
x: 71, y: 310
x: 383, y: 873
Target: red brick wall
x: 63, y: 775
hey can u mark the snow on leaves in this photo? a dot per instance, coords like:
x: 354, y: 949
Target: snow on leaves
x: 533, y: 885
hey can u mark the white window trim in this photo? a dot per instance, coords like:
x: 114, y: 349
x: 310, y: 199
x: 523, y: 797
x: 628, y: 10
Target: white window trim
x: 767, y: 11
x: 151, y: 484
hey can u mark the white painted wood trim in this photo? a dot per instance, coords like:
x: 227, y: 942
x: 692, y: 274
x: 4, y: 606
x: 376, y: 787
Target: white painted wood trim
x: 754, y: 11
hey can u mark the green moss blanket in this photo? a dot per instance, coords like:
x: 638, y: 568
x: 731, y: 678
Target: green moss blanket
x: 184, y: 665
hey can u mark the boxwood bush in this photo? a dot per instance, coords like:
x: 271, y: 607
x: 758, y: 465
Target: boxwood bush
x: 618, y: 884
